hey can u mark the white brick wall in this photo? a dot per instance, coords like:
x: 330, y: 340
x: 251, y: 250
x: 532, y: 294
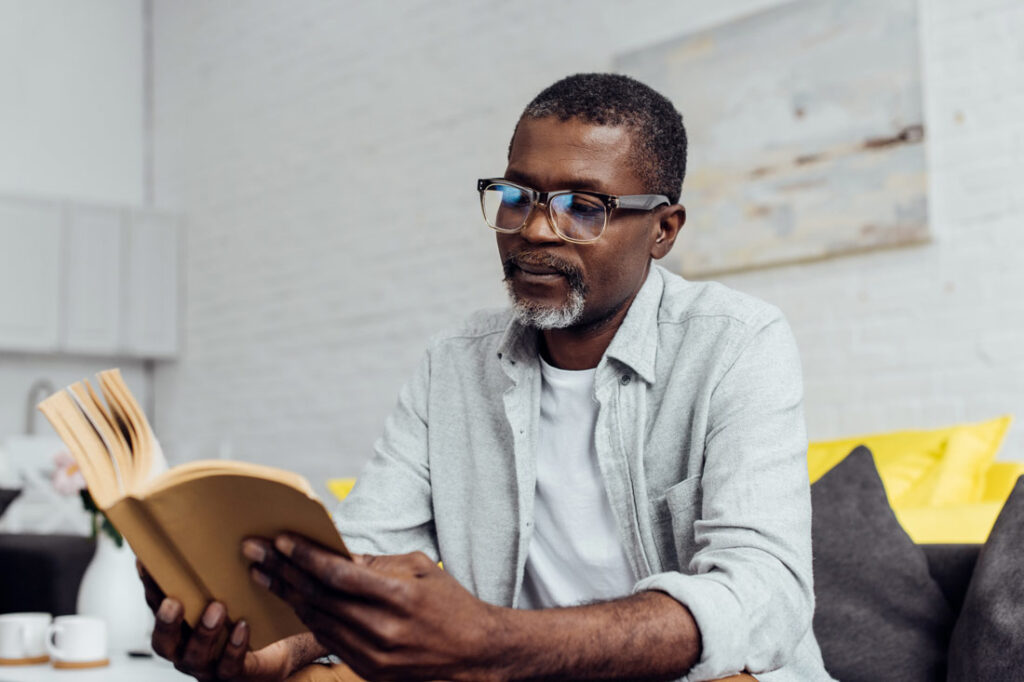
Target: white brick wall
x: 70, y: 128
x: 71, y: 107
x: 326, y: 152
x: 931, y: 335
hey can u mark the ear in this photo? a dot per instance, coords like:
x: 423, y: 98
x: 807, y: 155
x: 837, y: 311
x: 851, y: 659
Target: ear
x: 670, y: 220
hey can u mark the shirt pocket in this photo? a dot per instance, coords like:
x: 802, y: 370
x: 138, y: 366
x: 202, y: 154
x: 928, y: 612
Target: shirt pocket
x: 676, y: 513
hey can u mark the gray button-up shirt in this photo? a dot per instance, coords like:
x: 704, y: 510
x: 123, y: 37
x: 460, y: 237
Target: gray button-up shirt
x: 700, y: 440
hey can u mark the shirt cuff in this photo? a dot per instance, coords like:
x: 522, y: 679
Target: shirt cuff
x: 719, y: 619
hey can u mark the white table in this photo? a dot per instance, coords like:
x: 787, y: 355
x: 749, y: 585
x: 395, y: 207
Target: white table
x: 121, y: 669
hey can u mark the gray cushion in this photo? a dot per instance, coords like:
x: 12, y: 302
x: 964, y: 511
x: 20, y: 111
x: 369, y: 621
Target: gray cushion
x: 880, y: 615
x: 7, y: 496
x: 952, y: 567
x: 988, y: 642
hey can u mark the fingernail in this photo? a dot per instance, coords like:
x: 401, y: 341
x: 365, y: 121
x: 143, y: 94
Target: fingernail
x: 253, y: 551
x: 284, y: 544
x: 168, y: 611
x: 260, y: 577
x: 213, y: 615
x: 238, y: 636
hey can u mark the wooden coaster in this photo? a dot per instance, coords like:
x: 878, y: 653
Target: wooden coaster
x: 33, y: 660
x: 78, y: 665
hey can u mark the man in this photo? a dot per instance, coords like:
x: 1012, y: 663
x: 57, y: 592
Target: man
x: 621, y: 455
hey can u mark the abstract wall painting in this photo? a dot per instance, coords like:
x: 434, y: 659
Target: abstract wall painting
x: 806, y: 133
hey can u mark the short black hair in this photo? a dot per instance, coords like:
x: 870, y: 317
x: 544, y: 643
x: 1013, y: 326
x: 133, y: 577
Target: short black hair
x: 659, y: 137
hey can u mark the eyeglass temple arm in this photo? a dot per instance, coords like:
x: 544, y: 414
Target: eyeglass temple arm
x: 642, y: 202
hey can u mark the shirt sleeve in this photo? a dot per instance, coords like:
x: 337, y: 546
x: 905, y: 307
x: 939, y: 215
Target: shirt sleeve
x: 749, y: 585
x: 389, y: 511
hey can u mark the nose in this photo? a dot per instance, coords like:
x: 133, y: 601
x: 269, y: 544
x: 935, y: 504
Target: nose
x: 538, y: 228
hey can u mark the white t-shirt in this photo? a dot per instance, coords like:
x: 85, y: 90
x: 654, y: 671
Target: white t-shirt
x: 576, y: 554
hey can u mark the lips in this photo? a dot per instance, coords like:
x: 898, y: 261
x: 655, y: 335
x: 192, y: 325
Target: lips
x: 537, y: 269
x: 542, y: 269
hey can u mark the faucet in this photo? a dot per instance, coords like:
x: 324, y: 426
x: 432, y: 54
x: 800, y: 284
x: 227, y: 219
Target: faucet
x: 43, y: 386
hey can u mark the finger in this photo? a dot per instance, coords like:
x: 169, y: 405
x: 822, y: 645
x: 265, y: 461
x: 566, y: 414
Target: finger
x: 154, y: 595
x: 413, y: 565
x: 167, y: 630
x: 232, y: 661
x: 349, y: 643
x: 312, y: 604
x: 202, y: 649
x: 334, y: 570
x: 293, y: 586
x: 273, y: 571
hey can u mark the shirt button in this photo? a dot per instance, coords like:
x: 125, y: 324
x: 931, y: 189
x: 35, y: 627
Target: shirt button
x: 625, y: 380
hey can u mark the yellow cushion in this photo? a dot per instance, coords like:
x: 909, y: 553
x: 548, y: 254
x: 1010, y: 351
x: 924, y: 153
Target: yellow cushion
x: 962, y: 523
x: 942, y: 484
x: 340, y: 487
x: 971, y: 522
x: 1000, y: 479
x: 922, y: 468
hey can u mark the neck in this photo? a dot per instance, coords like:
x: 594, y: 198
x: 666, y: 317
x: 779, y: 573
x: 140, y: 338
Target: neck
x: 575, y: 349
x: 583, y: 346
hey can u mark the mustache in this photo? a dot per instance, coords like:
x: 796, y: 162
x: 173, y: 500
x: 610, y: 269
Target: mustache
x: 570, y: 271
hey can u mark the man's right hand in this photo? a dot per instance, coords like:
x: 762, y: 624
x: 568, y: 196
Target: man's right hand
x: 216, y: 649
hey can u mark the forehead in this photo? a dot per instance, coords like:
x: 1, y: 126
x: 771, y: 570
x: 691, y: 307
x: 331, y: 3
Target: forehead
x: 549, y: 154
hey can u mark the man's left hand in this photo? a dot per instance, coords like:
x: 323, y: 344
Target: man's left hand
x: 388, y: 617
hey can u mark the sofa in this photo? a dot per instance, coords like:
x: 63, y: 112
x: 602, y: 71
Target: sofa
x: 890, y: 609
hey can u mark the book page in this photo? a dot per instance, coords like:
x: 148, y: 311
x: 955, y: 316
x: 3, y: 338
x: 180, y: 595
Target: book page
x: 207, y: 467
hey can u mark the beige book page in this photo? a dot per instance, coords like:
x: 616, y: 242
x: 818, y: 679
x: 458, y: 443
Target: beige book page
x: 207, y: 518
x: 208, y: 467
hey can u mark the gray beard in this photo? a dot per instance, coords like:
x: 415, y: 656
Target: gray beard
x: 530, y: 314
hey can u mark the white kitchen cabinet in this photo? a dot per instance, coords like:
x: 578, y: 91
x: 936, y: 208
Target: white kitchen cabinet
x: 30, y: 271
x: 92, y: 280
x: 88, y: 280
x: 151, y: 285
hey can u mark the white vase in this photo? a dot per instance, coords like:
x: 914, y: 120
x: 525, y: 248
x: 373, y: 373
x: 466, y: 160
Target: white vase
x: 111, y: 590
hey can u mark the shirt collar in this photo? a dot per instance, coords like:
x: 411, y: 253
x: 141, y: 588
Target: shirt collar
x: 635, y: 343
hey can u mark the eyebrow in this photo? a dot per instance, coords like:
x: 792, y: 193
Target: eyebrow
x: 570, y: 183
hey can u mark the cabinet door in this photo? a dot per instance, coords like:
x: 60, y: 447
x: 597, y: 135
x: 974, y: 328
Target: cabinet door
x: 92, y: 280
x: 30, y: 236
x: 151, y: 287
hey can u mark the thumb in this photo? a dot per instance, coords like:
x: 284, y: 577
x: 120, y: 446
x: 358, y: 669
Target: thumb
x: 272, y: 662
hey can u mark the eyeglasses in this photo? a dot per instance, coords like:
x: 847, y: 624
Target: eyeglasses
x: 577, y: 216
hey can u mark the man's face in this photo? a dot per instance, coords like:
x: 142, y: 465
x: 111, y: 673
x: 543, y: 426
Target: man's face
x: 555, y: 283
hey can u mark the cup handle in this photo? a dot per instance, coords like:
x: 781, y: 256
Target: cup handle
x: 51, y: 646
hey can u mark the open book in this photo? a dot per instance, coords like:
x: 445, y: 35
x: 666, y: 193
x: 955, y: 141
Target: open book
x: 186, y: 524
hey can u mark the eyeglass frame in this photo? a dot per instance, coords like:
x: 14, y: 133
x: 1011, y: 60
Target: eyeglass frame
x: 634, y: 202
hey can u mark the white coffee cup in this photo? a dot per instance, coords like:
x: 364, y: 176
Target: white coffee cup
x: 23, y: 637
x: 77, y: 640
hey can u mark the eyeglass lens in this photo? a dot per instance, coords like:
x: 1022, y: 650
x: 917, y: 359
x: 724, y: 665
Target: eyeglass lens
x: 575, y: 216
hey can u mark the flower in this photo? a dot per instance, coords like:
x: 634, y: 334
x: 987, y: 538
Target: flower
x: 67, y: 477
x: 68, y: 480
